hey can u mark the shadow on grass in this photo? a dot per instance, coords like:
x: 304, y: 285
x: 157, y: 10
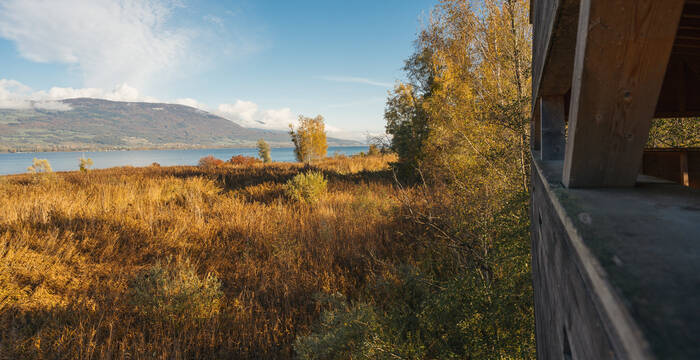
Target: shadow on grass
x: 111, y: 238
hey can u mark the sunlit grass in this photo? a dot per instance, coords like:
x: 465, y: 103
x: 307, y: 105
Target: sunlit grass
x: 98, y: 264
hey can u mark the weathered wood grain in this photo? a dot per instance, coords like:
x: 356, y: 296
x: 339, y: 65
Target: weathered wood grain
x: 622, y: 50
x: 636, y: 252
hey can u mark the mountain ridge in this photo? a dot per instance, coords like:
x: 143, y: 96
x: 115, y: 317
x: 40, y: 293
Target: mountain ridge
x: 100, y: 124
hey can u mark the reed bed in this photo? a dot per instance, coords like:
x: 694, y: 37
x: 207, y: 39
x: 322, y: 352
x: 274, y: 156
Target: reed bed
x: 186, y: 262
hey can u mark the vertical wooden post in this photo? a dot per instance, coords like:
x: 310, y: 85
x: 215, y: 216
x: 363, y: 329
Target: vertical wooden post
x: 685, y: 178
x: 536, y: 128
x: 552, y: 115
x: 622, y: 51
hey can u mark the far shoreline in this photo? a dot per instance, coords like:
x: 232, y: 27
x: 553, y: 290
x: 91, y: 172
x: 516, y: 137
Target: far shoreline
x: 154, y: 148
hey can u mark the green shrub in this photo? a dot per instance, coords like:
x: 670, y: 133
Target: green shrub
x: 421, y: 313
x: 342, y: 332
x: 388, y: 327
x: 173, y: 292
x: 307, y: 187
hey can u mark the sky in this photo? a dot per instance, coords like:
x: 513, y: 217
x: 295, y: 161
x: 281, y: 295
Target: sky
x: 259, y: 63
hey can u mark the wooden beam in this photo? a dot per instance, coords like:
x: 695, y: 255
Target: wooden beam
x: 536, y: 129
x: 559, y: 64
x: 553, y: 131
x: 622, y: 50
x: 554, y: 39
x: 679, y: 94
x: 685, y: 178
x: 544, y: 16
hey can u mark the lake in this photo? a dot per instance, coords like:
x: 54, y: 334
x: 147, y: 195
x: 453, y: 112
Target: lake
x: 16, y: 163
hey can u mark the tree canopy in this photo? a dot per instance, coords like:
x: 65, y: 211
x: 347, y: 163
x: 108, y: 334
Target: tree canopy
x: 459, y: 125
x: 309, y: 138
x: 264, y: 151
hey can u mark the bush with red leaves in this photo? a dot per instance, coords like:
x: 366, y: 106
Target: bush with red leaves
x: 210, y: 161
x: 243, y: 160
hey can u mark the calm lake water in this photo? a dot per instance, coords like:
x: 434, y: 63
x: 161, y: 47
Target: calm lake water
x: 67, y: 161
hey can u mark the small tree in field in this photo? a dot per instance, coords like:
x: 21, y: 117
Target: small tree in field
x: 85, y: 164
x: 373, y: 150
x: 264, y: 151
x: 40, y: 166
x: 309, y: 138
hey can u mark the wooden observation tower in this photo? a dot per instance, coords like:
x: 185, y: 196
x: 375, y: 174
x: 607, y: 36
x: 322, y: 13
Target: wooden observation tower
x: 615, y: 226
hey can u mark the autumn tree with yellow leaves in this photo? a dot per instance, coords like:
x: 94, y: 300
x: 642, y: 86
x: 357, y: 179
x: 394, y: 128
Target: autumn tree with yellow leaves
x: 460, y: 128
x: 309, y: 138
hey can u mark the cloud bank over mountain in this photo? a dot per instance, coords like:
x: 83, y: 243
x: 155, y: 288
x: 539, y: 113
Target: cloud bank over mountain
x: 15, y: 95
x: 248, y: 114
x: 139, y: 50
x: 18, y: 96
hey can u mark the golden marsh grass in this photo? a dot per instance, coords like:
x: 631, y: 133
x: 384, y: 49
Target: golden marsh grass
x: 72, y: 246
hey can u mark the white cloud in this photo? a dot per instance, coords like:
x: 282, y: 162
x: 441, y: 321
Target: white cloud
x: 15, y: 95
x: 8, y: 86
x: 51, y: 105
x: 279, y: 119
x: 247, y: 113
x: 357, y: 80
x: 242, y: 112
x: 8, y: 89
x: 339, y: 133
x: 109, y: 41
x: 122, y: 92
x: 191, y: 102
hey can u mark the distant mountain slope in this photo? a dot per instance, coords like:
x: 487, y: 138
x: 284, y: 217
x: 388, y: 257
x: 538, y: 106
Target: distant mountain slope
x: 103, y: 124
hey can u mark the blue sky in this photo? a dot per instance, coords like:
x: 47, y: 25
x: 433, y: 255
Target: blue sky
x: 259, y: 63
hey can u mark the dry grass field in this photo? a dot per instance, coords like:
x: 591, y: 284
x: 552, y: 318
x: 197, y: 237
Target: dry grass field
x: 186, y: 262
